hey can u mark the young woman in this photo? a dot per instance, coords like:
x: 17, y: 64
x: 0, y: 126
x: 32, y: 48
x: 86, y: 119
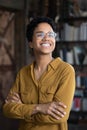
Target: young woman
x: 42, y: 94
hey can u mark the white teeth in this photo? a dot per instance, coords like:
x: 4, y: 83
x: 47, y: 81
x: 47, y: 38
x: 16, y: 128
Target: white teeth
x: 46, y: 45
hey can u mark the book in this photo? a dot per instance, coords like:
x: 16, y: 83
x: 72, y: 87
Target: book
x: 79, y: 54
x: 68, y: 32
x: 78, y: 81
x: 77, y: 104
x: 69, y: 57
x: 84, y: 104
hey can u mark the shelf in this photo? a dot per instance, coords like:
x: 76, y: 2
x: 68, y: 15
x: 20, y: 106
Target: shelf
x: 78, y: 117
x: 6, y: 68
x: 80, y: 66
x: 79, y: 112
x: 80, y: 88
x: 72, y: 19
x: 71, y: 42
x: 72, y: 48
x: 78, y: 121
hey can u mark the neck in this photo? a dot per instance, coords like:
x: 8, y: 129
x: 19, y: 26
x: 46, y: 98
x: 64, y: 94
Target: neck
x: 42, y: 62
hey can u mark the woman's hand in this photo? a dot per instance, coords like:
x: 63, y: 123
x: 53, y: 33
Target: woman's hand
x: 14, y: 97
x: 55, y: 109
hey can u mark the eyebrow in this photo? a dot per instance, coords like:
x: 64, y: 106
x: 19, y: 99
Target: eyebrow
x: 39, y: 32
x: 43, y: 32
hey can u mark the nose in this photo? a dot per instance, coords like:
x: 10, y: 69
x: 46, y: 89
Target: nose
x: 46, y: 36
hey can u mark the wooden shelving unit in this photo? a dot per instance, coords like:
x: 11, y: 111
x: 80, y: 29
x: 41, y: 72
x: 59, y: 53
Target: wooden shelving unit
x: 65, y: 46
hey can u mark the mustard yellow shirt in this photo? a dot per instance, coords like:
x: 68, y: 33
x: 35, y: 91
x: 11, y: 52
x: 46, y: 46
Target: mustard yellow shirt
x: 57, y: 83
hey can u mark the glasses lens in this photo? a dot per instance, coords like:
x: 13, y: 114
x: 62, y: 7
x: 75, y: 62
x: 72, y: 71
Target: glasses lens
x: 40, y: 35
x: 52, y: 34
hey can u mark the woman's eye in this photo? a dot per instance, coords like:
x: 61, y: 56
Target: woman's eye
x: 40, y: 35
x: 51, y: 35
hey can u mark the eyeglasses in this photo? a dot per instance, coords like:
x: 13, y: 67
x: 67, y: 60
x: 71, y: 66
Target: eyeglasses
x: 41, y: 35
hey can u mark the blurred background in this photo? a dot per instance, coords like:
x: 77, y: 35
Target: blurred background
x: 70, y: 17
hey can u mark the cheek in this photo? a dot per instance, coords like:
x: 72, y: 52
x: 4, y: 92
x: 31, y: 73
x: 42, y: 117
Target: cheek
x: 54, y: 45
x: 36, y: 42
x: 54, y: 42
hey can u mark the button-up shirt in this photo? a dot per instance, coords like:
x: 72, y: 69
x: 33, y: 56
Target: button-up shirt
x: 57, y: 83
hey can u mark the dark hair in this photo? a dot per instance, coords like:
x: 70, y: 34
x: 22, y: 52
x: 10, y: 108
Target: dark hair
x: 33, y: 24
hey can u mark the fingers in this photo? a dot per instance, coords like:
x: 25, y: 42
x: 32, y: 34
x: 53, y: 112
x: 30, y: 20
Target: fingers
x: 13, y: 98
x: 57, y: 110
x: 60, y: 107
x: 58, y: 113
x: 54, y: 115
x: 62, y: 104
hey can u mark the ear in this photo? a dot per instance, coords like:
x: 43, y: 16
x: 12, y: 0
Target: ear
x: 30, y: 45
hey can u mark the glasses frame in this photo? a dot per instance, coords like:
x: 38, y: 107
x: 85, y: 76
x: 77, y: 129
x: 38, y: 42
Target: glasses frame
x: 41, y: 35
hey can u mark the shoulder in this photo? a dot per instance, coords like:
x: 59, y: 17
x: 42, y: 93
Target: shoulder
x: 25, y: 69
x: 64, y: 66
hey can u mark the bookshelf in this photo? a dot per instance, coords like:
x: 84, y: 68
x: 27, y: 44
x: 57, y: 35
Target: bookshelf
x: 72, y: 48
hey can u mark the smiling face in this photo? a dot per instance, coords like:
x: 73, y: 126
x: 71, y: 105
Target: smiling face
x: 43, y: 41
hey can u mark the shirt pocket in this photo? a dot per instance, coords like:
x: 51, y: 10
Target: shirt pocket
x: 25, y: 97
x: 46, y: 95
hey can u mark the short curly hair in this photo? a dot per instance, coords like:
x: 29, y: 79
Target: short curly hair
x: 34, y: 23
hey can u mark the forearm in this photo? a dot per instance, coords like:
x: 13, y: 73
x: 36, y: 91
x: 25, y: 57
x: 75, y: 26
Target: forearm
x: 18, y: 110
x: 48, y: 113
x: 40, y: 118
x: 42, y: 113
x: 47, y: 119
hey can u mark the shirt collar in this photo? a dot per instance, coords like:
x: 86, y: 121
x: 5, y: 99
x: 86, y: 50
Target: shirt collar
x: 55, y: 62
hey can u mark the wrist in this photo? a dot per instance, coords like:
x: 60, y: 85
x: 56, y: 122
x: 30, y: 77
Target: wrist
x: 36, y: 109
